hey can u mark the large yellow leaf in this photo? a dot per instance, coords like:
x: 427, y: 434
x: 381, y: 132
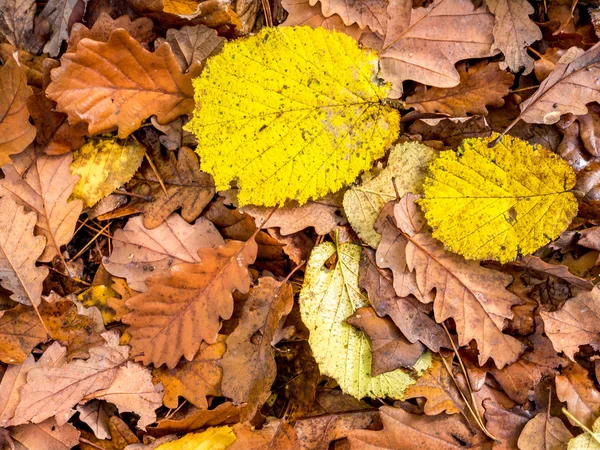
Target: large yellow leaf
x: 499, y: 202
x: 327, y: 299
x: 291, y: 113
x: 217, y: 438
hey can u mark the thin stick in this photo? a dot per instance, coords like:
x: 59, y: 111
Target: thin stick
x: 148, y: 198
x: 267, y: 10
x: 580, y: 425
x: 158, y: 177
x: 96, y: 236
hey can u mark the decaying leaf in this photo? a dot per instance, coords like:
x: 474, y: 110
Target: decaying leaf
x: 16, y: 133
x: 44, y: 184
x: 96, y: 415
x: 192, y: 45
x: 407, y: 165
x: 544, y: 432
x: 120, y: 434
x: 48, y: 435
x: 480, y: 85
x: 576, y: 389
x: 16, y: 21
x: 516, y: 198
x: 139, y: 253
x: 104, y: 165
x: 133, y: 86
x: 274, y: 143
x: 57, y: 14
x: 587, y: 440
x: 327, y: 299
x: 183, y: 308
x: 370, y: 14
x: 20, y: 331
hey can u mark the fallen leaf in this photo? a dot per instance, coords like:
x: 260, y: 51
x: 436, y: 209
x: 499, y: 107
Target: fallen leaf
x: 97, y: 415
x: 544, y: 432
x: 108, y: 301
x: 327, y: 299
x: 390, y: 349
x: 48, y: 435
x: 407, y: 165
x: 120, y: 434
x: 16, y: 21
x: 275, y: 433
x: 14, y: 377
x: 576, y: 389
x: 174, y: 13
x: 513, y: 32
x: 44, y: 184
x: 300, y: 12
x: 54, y: 391
x: 506, y: 425
x: 323, y: 215
x: 480, y: 85
x: 494, y: 188
x: 188, y: 303
x: 19, y: 250
x: 104, y: 164
x: 57, y: 13
x: 588, y: 440
x: 195, y: 419
x: 451, y: 132
x: 535, y: 264
x: 269, y: 301
x: 403, y: 431
x: 464, y: 289
x: 142, y: 84
x: 16, y: 133
x: 139, y: 253
x: 218, y: 438
x: 192, y: 45
x: 575, y: 324
x: 367, y: 14
x: 236, y: 136
x: 20, y: 331
x: 416, y: 47
x: 195, y: 379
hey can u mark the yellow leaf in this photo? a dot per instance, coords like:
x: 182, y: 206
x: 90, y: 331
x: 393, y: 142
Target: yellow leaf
x: 99, y: 297
x: 104, y: 165
x: 588, y: 440
x: 499, y: 202
x: 291, y: 113
x: 327, y: 299
x: 407, y: 164
x: 218, y: 438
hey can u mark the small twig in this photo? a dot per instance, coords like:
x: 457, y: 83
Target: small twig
x: 77, y: 280
x: 580, y: 425
x: 148, y: 198
x: 267, y: 10
x: 96, y: 236
x: 512, y: 91
x: 158, y: 177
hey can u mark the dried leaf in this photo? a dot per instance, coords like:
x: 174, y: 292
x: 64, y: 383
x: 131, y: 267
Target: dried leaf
x: 480, y: 85
x: 544, y: 432
x: 535, y: 264
x: 236, y: 133
x: 192, y: 45
x: 174, y: 13
x: 44, y: 184
x: 513, y: 32
x: 505, y: 424
x: 12, y: 380
x: 318, y: 432
x: 104, y: 165
x: 16, y: 21
x: 16, y: 133
x: 97, y: 415
x: 183, y: 308
x: 586, y: 440
x: 20, y: 331
x: 139, y: 253
x: 48, y: 435
x: 407, y: 165
x: 416, y: 47
x: 269, y: 301
x: 371, y: 14
x: 57, y: 13
x: 391, y: 350
x: 131, y: 87
x: 19, y: 249
x: 218, y: 438
x: 108, y: 301
x: 195, y: 419
x: 302, y: 13
x: 576, y: 388
x: 195, y: 379
x: 120, y: 434
x: 575, y: 324
x: 517, y: 198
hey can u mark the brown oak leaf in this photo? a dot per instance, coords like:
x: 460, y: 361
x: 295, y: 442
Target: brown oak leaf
x: 120, y: 434
x: 370, y: 14
x: 576, y: 388
x: 20, y: 331
x: 48, y: 435
x: 183, y: 308
x: 300, y: 12
x: 96, y: 415
x: 505, y: 425
x: 544, y: 432
x: 192, y: 45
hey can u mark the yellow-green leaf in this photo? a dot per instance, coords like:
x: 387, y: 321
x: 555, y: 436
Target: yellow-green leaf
x: 217, y: 438
x: 99, y: 297
x: 499, y: 202
x: 291, y: 113
x: 104, y: 164
x: 327, y: 299
x: 407, y: 165
x: 587, y: 440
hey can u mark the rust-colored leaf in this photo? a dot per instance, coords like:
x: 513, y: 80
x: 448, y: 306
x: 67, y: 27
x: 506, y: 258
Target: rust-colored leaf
x: 576, y: 388
x: 20, y: 331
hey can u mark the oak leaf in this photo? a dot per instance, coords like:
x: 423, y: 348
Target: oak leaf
x: 119, y: 84
x: 390, y: 349
x: 300, y: 12
x: 544, y: 432
x: 474, y: 296
x: 407, y: 165
x: 48, y: 435
x: 516, y: 197
x: 327, y: 299
x: 16, y: 21
x: 575, y: 323
x: 268, y: 303
x: 139, y: 253
x: 19, y: 250
x: 57, y: 15
x: 194, y: 380
x: 559, y: 271
x: 16, y: 133
x: 505, y: 424
x: 480, y: 85
x: 20, y: 331
x: 13, y: 379
x: 290, y: 140
x: 367, y: 14
x: 188, y: 303
x: 192, y: 45
x: 416, y: 47
x: 96, y: 415
x: 104, y: 164
x: 44, y: 184
x: 513, y: 32
x: 218, y: 438
x: 120, y: 434
x: 109, y: 301
x: 576, y: 389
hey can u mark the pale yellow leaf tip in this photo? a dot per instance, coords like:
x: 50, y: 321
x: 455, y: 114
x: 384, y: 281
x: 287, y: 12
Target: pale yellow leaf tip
x: 500, y: 202
x: 291, y: 113
x: 216, y: 438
